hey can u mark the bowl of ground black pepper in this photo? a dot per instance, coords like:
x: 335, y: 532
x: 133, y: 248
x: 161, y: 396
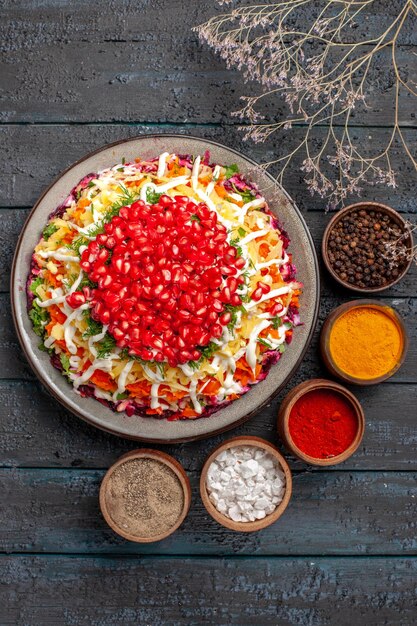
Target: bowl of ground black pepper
x: 367, y: 247
x: 145, y: 496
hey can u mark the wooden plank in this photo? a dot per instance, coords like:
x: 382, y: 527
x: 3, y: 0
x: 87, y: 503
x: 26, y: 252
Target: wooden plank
x: 56, y: 590
x: 376, y: 508
x: 118, y: 81
x: 33, y: 155
x: 28, y: 24
x: 13, y: 365
x: 36, y: 431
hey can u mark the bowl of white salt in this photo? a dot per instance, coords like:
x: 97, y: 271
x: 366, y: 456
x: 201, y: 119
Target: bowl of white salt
x: 246, y: 484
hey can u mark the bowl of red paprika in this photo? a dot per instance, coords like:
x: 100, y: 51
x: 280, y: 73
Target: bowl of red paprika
x: 321, y: 422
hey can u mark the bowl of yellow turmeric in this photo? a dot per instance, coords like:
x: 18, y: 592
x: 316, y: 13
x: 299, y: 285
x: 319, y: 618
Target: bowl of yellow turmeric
x: 363, y: 342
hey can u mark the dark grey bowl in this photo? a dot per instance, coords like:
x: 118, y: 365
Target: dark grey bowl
x: 147, y: 428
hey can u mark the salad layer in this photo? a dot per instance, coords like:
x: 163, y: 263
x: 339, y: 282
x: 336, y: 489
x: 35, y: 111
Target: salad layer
x: 164, y: 287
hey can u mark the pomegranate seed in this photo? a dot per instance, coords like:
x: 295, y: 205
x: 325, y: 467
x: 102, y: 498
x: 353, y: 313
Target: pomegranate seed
x: 235, y: 300
x: 76, y: 299
x: 225, y: 318
x: 263, y: 286
x: 216, y: 305
x: 216, y: 330
x: 257, y: 294
x: 163, y: 288
x: 232, y: 284
x: 277, y: 308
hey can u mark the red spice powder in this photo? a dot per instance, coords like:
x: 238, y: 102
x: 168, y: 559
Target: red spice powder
x: 322, y: 424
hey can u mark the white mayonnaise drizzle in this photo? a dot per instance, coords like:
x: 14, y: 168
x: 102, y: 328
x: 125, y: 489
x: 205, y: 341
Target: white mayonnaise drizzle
x: 162, y: 164
x: 74, y: 361
x: 155, y: 377
x: 180, y: 180
x: 154, y: 396
x: 48, y: 342
x: 194, y: 173
x: 285, y: 259
x: 193, y: 395
x: 254, y: 235
x: 92, y: 340
x: 69, y: 330
x: 121, y: 381
x: 251, y: 347
x: 210, y: 186
x: 272, y: 294
x: 99, y: 393
x: 99, y: 364
x: 58, y: 255
x: 187, y: 370
x: 253, y: 204
x: 57, y: 298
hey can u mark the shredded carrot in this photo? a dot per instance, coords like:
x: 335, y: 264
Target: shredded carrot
x: 56, y: 314
x: 68, y: 237
x: 264, y: 250
x: 157, y: 411
x: 49, y: 327
x: 188, y: 412
x: 61, y: 344
x: 52, y: 279
x: 205, y: 179
x: 77, y: 213
x: 139, y: 389
x: 212, y: 388
x: 83, y: 203
x: 103, y: 380
x: 171, y: 396
x: 223, y: 193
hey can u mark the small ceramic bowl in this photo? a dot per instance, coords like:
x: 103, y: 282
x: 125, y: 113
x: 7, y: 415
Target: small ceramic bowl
x: 367, y: 206
x: 287, y: 405
x: 325, y: 341
x: 246, y: 527
x: 163, y: 458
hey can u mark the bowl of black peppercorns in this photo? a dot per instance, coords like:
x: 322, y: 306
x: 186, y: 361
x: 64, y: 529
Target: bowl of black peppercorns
x: 367, y: 247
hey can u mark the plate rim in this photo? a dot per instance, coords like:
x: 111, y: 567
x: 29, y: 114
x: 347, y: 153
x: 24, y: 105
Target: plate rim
x: 113, y: 431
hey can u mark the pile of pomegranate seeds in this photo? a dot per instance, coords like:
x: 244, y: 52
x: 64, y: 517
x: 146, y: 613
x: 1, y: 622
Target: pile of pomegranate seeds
x: 164, y: 274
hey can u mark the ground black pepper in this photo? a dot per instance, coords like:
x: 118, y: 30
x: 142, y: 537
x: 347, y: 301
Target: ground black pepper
x: 144, y: 497
x: 358, y: 249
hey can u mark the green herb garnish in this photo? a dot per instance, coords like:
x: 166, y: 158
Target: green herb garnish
x: 49, y: 230
x: 231, y: 170
x: 265, y: 343
x: 93, y: 327
x: 65, y: 362
x: 276, y: 322
x: 105, y: 346
x: 35, y: 284
x: 152, y: 197
x: 247, y: 195
x: 40, y: 317
x: 77, y: 243
x: 126, y: 199
x: 90, y: 184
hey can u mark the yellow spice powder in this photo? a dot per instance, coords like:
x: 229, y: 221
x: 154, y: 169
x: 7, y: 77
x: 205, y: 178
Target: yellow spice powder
x: 366, y: 342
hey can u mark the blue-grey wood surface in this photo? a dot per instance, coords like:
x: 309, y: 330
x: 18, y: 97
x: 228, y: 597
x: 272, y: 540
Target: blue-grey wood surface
x: 75, y: 75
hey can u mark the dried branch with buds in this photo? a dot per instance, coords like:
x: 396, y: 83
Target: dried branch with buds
x: 322, y: 70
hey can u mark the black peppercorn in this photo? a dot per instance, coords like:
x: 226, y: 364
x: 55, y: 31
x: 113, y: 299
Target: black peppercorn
x: 359, y: 249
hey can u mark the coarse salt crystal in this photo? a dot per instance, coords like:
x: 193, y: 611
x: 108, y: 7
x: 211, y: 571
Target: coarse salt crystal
x: 245, y: 483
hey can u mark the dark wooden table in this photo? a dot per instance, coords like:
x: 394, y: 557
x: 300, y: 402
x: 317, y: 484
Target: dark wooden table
x: 75, y: 76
